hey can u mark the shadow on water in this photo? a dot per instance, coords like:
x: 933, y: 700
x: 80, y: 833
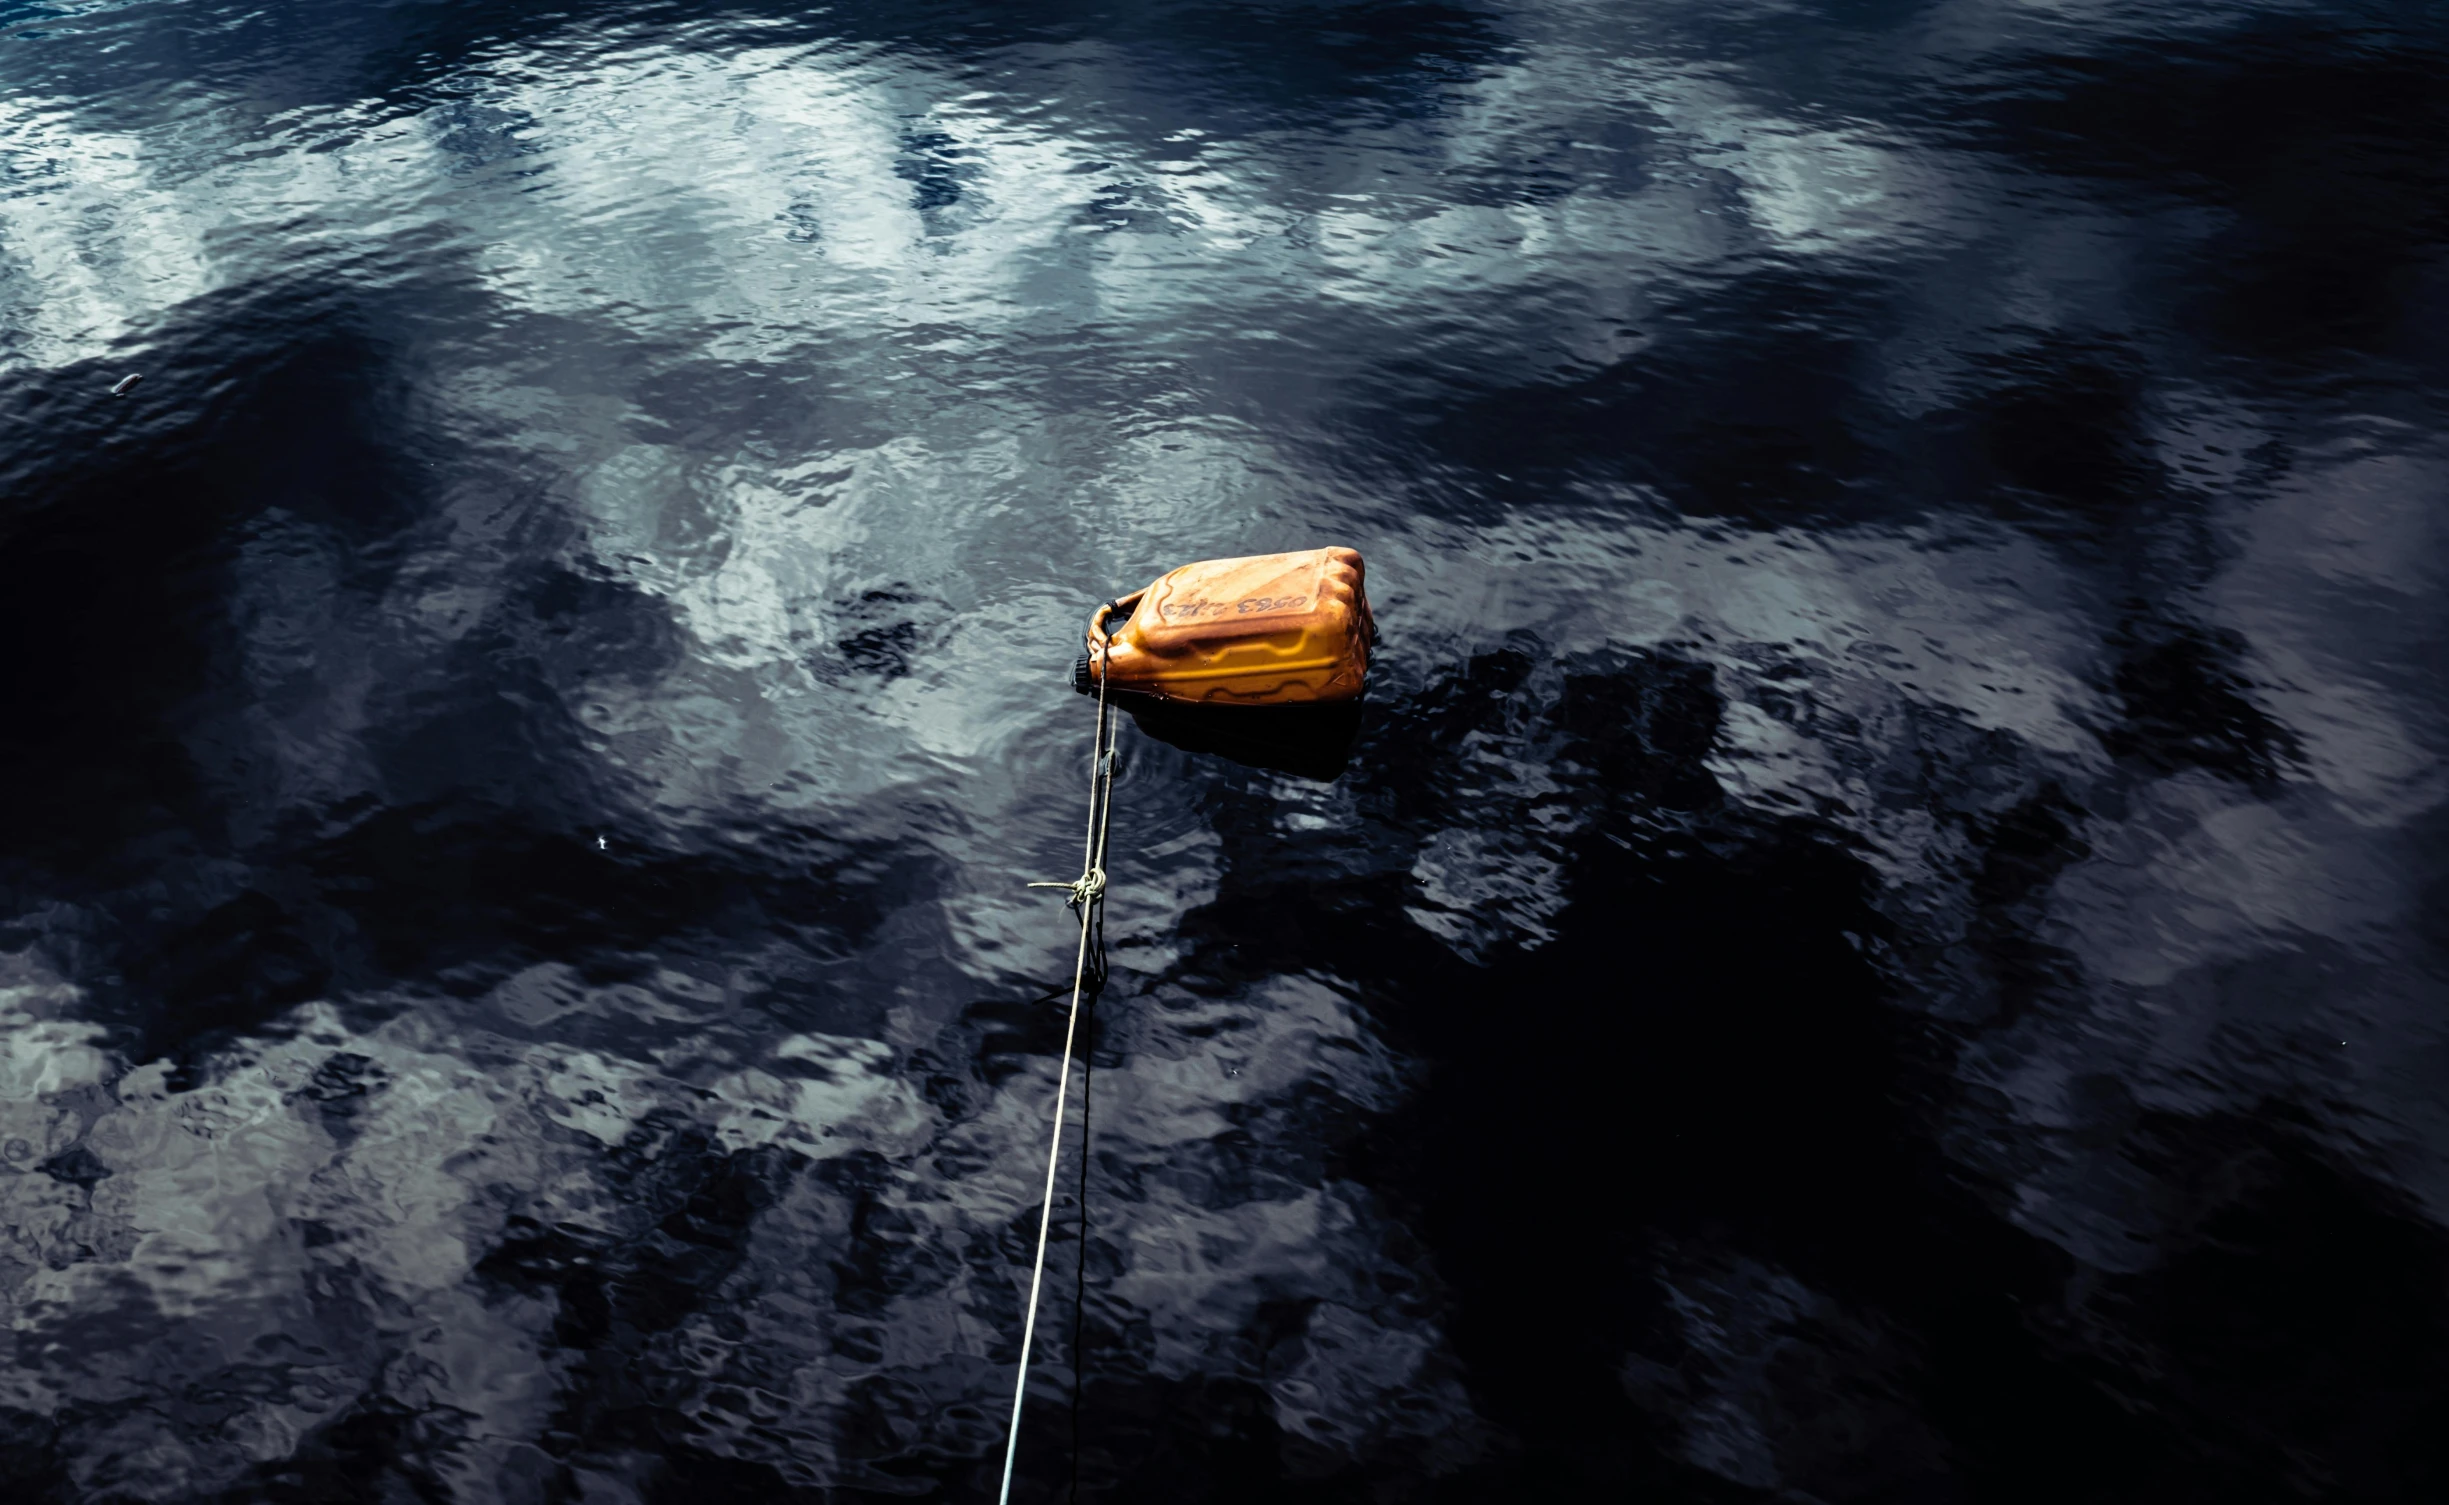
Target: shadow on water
x: 1308, y: 741
x: 1680, y: 1167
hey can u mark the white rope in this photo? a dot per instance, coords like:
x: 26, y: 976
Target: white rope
x: 1086, y: 893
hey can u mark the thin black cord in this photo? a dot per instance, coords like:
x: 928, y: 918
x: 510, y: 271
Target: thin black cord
x: 1088, y: 1090
x: 1098, y: 973
x: 1079, y: 1294
x: 1087, y: 898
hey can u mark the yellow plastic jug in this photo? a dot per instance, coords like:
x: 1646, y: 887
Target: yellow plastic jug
x: 1273, y: 629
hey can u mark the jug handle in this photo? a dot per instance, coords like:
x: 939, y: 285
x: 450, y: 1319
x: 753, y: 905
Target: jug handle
x: 1105, y: 609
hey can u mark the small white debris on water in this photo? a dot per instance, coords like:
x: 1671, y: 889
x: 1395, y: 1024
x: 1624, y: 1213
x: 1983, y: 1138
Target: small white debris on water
x: 126, y: 383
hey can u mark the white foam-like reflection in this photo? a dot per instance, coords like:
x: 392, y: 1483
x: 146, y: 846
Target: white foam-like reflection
x: 93, y: 250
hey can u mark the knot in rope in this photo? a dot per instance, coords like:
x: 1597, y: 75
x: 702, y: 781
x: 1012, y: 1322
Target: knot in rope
x: 1088, y: 888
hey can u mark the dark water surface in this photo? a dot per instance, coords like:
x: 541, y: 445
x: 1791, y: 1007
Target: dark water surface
x: 1886, y: 937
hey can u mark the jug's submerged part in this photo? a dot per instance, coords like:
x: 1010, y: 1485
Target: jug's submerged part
x: 1271, y: 629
